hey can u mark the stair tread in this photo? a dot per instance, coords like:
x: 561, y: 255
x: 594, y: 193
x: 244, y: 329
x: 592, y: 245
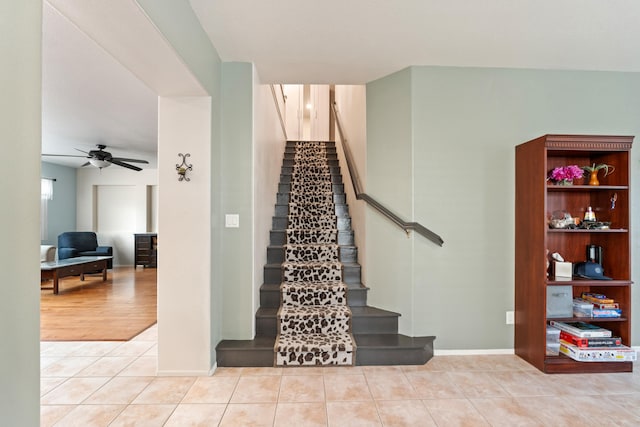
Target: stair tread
x: 391, y: 340
x: 256, y: 343
x: 369, y: 311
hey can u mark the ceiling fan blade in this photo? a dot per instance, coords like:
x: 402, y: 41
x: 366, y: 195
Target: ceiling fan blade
x: 125, y: 165
x: 82, y: 151
x: 63, y: 155
x: 86, y: 164
x: 122, y: 159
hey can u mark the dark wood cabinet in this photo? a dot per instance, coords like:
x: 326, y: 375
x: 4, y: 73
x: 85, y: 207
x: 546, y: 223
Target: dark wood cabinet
x: 536, y: 200
x: 146, y: 249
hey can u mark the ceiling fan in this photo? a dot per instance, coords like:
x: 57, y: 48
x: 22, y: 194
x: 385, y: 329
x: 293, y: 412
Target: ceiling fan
x: 102, y: 159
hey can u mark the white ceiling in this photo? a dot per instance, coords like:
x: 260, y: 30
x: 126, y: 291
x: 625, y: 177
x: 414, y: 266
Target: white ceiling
x: 89, y: 98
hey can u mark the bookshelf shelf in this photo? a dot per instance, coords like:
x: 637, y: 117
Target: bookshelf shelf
x: 536, y: 201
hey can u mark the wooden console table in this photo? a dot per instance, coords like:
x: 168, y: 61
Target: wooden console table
x: 77, y: 266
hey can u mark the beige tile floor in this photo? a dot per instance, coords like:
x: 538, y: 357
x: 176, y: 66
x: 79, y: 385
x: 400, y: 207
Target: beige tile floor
x: 115, y: 384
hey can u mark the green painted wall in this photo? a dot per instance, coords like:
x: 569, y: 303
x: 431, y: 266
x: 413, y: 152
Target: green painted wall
x: 389, y: 179
x: 236, y: 193
x: 465, y: 124
x: 20, y: 129
x: 62, y: 209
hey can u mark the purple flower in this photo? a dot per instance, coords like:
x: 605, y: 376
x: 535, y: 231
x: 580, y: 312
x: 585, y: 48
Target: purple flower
x: 566, y: 173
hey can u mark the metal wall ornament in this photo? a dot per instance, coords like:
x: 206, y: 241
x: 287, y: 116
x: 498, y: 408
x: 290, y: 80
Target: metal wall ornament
x: 183, y: 167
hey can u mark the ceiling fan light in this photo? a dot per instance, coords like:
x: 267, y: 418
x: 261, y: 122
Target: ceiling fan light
x: 100, y: 163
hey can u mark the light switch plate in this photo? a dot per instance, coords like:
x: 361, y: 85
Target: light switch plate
x: 232, y: 221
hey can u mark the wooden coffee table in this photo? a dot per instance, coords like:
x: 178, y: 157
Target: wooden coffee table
x: 77, y: 266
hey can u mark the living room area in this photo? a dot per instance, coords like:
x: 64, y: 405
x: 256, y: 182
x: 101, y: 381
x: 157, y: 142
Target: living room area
x: 116, y: 204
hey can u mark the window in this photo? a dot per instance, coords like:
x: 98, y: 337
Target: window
x: 46, y: 194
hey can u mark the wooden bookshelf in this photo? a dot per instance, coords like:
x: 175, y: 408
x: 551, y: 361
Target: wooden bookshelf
x: 536, y: 200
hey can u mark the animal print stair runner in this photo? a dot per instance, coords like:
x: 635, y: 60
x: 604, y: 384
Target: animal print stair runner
x: 314, y: 320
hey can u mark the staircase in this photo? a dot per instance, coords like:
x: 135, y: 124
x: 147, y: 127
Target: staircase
x: 313, y: 307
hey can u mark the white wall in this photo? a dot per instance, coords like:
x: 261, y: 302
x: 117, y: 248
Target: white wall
x: 352, y: 110
x: 268, y: 150
x: 20, y: 129
x: 184, y: 269
x: 91, y: 182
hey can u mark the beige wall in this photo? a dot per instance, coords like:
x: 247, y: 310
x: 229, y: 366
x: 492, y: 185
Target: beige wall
x: 268, y: 149
x: 352, y: 109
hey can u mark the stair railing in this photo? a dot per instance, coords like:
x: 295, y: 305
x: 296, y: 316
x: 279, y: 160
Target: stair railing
x: 278, y: 109
x: 360, y: 195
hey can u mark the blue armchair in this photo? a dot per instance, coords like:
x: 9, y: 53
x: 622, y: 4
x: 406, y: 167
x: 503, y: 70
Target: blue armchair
x: 82, y: 243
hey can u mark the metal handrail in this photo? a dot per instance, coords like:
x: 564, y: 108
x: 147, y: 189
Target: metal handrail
x: 284, y: 99
x: 357, y: 189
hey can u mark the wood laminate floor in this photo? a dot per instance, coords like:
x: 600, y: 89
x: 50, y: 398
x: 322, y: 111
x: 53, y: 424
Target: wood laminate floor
x: 93, y: 310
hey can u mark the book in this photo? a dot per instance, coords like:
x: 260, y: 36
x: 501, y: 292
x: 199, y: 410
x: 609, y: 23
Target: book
x: 581, y: 329
x: 606, y: 312
x: 590, y: 342
x: 606, y: 305
x: 599, y: 354
x: 596, y: 298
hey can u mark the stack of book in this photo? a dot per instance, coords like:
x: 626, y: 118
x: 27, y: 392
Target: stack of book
x: 595, y: 305
x: 585, y: 342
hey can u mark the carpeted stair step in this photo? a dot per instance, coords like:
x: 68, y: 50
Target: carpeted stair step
x: 305, y: 198
x: 312, y: 253
x: 286, y: 177
x: 311, y: 271
x: 313, y: 293
x: 346, y: 254
x: 393, y: 349
x: 364, y: 320
x: 315, y: 349
x: 351, y: 273
x: 334, y: 188
x: 310, y: 319
x: 311, y: 236
x: 279, y: 237
x: 311, y: 162
x: 329, y: 155
x: 270, y: 295
x: 284, y: 222
x: 311, y: 197
x: 340, y: 210
x: 312, y: 222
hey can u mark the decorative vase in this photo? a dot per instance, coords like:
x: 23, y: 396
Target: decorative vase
x: 565, y: 182
x: 593, y: 179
